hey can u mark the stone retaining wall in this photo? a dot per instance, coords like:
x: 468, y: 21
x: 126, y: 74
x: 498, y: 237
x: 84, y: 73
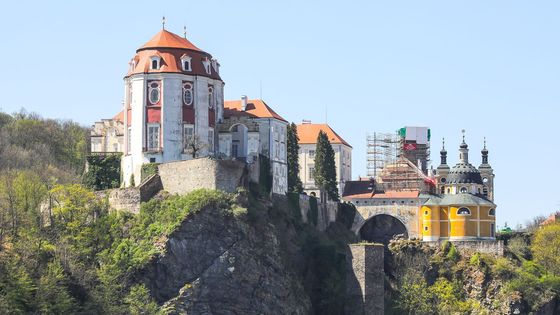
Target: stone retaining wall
x: 124, y: 199
x: 365, y: 280
x: 185, y: 176
x: 491, y: 247
x: 326, y: 212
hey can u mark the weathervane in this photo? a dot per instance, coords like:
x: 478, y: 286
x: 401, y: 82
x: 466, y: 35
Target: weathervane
x: 185, y: 31
x: 443, y: 143
x: 163, y: 22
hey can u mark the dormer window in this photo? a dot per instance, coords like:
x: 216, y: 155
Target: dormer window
x: 207, y: 65
x: 216, y: 65
x: 155, y: 63
x: 186, y: 63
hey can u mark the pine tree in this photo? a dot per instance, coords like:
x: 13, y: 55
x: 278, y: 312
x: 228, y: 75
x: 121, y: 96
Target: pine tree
x: 294, y: 182
x: 325, y: 167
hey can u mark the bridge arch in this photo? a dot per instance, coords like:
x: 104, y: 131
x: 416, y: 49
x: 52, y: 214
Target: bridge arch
x: 381, y: 228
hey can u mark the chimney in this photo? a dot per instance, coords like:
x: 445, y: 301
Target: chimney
x: 243, y: 102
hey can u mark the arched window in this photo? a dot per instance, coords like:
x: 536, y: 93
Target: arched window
x: 463, y: 211
x: 186, y: 62
x: 187, y: 94
x: 492, y: 212
x: 154, y: 92
x: 442, y: 190
x: 485, y: 191
x: 463, y: 190
x: 210, y: 97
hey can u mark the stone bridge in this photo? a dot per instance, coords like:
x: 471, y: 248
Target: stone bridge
x: 379, y: 223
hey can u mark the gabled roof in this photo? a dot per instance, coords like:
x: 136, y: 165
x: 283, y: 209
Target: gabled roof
x: 308, y: 134
x: 255, y: 109
x: 119, y: 116
x: 363, y: 189
x: 166, y: 39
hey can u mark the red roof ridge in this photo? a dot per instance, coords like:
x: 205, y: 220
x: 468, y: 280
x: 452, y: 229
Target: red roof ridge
x: 258, y: 109
x: 308, y: 133
x: 166, y: 39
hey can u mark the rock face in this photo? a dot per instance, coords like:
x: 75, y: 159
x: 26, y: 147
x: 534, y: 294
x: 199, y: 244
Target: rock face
x: 217, y: 264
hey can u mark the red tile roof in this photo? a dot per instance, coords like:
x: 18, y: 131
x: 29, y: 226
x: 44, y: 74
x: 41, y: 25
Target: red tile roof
x: 361, y: 189
x: 119, y: 116
x: 170, y: 48
x: 166, y: 39
x: 308, y: 134
x: 255, y: 108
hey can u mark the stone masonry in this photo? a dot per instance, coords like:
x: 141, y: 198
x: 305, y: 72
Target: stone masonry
x: 365, y: 279
x: 182, y: 177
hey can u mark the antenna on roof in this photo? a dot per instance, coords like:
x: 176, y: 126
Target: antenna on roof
x: 163, y: 22
x: 185, y: 31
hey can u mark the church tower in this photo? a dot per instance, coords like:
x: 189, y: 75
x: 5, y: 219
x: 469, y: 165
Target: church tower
x: 442, y: 170
x: 173, y: 100
x: 487, y: 174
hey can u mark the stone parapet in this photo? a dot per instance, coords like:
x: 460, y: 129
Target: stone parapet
x: 491, y: 247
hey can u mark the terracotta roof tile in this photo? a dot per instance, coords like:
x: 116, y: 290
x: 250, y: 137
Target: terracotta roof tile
x: 119, y: 116
x: 308, y: 134
x: 166, y: 39
x: 255, y: 108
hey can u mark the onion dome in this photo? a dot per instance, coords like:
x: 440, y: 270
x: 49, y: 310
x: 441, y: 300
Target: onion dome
x: 170, y: 53
x: 464, y: 173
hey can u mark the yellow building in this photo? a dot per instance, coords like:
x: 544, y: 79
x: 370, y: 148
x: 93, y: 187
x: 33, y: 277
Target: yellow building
x: 464, y: 208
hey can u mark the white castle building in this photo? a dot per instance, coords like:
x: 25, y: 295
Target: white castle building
x: 174, y: 101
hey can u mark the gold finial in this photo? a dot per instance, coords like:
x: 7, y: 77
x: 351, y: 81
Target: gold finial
x: 163, y: 22
x: 185, y: 31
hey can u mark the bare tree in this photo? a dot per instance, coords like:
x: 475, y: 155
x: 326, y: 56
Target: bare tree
x: 193, y: 146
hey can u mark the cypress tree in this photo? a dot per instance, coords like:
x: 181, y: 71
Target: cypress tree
x: 325, y: 167
x: 294, y: 182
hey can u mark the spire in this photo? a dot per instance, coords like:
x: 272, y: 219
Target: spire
x: 463, y: 150
x: 163, y: 22
x: 185, y: 31
x: 484, y: 153
x: 443, y: 153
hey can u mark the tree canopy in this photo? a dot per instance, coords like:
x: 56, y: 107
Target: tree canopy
x: 325, y: 167
x: 294, y: 181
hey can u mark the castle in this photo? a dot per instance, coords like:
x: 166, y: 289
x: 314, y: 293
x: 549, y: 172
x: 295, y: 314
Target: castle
x: 174, y: 110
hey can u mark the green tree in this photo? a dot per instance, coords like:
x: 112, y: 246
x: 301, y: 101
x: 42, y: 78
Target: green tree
x: 294, y: 182
x: 546, y: 248
x: 52, y: 293
x: 325, y: 167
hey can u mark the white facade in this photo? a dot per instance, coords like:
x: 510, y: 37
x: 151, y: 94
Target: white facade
x: 107, y: 135
x: 343, y: 162
x: 170, y: 138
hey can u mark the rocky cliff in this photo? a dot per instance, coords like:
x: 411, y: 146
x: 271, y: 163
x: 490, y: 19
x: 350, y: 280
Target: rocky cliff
x: 218, y: 263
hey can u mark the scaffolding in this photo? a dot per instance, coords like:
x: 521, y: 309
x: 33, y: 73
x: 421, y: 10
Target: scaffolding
x: 382, y: 149
x: 400, y: 160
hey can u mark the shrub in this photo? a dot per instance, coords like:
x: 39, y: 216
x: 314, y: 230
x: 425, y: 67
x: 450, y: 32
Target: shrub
x: 293, y: 198
x: 313, y: 213
x: 546, y: 248
x: 345, y: 214
x: 453, y: 253
x: 148, y: 170
x: 104, y: 172
x: 503, y: 268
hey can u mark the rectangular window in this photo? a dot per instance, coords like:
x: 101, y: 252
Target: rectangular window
x: 311, y: 171
x: 492, y: 230
x: 129, y: 140
x: 211, y: 140
x: 188, y: 135
x: 311, y: 153
x: 153, y: 137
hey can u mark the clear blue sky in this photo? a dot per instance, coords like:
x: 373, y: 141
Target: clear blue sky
x: 490, y: 67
